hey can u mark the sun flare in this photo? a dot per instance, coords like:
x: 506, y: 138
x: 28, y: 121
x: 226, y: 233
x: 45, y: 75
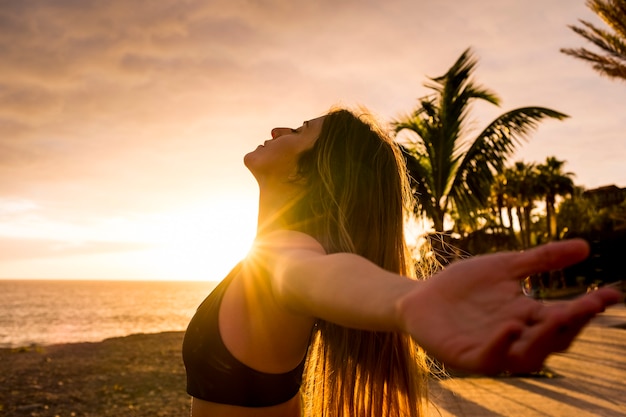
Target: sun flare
x: 201, y: 243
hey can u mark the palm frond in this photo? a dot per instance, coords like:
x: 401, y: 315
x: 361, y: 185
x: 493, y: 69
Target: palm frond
x: 488, y: 153
x: 605, y: 40
x: 604, y: 65
x: 419, y: 171
x: 612, y: 12
x: 612, y: 63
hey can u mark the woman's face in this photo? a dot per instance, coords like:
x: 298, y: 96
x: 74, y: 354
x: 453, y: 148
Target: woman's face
x: 277, y: 158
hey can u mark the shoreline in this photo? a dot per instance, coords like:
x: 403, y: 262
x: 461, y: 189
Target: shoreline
x: 44, y: 346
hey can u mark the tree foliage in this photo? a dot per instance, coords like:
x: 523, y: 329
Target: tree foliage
x: 553, y: 182
x: 610, y: 61
x: 522, y: 186
x: 452, y: 171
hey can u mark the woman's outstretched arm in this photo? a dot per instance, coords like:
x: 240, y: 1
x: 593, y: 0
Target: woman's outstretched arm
x: 472, y: 315
x: 342, y: 288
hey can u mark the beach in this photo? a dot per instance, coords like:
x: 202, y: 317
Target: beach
x: 138, y: 375
x: 143, y: 375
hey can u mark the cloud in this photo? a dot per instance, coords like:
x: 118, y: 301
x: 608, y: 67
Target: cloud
x: 115, y: 108
x: 107, y: 104
x: 21, y: 249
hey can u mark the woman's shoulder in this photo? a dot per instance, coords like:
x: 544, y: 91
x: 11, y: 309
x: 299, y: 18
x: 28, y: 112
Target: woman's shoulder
x: 286, y: 240
x: 275, y: 252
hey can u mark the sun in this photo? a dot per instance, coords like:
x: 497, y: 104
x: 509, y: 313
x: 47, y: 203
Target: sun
x: 201, y: 242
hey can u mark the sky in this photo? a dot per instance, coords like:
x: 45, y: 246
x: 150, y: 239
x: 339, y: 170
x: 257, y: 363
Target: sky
x: 123, y: 124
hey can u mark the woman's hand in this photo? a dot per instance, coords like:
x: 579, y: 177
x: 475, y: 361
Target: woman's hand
x: 473, y: 316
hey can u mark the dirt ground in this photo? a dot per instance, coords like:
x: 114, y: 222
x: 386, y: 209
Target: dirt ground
x: 138, y: 375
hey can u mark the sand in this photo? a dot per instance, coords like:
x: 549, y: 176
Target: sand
x: 138, y: 375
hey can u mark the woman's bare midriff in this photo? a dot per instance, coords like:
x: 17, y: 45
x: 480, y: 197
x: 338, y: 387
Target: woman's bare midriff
x: 200, y: 408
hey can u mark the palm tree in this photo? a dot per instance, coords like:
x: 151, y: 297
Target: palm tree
x: 498, y: 199
x: 611, y: 61
x: 553, y: 182
x: 523, y: 189
x: 578, y: 215
x: 503, y: 200
x: 452, y: 171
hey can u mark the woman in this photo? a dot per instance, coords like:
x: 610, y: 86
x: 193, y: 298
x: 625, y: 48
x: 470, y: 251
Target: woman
x: 321, y: 318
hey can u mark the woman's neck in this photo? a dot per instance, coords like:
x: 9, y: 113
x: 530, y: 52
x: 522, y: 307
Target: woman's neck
x: 274, y: 207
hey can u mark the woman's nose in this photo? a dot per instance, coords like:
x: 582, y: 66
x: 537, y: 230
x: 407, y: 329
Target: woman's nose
x: 278, y: 131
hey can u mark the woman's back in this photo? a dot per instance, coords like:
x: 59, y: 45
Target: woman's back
x: 243, y: 352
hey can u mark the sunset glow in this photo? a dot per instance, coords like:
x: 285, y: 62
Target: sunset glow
x: 199, y: 243
x: 123, y: 124
x: 194, y: 243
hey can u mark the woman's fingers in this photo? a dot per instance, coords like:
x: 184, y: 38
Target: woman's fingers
x: 606, y: 296
x: 494, y: 358
x: 555, y: 327
x: 552, y: 331
x: 555, y: 255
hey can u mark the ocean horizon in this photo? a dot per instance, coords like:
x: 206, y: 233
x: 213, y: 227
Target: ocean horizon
x: 45, y: 312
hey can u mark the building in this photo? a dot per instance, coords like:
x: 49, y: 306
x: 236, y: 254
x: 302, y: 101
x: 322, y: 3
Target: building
x: 606, y: 196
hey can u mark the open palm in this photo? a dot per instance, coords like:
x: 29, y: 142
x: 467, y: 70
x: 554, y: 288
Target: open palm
x: 473, y: 315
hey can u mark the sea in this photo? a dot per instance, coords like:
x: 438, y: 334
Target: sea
x: 46, y: 312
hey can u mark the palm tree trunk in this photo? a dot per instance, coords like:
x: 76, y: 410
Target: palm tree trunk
x: 509, y: 213
x: 551, y: 218
x: 438, y: 220
x: 527, y: 224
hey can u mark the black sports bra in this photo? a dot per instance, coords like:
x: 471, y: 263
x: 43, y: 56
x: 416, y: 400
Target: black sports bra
x: 214, y: 374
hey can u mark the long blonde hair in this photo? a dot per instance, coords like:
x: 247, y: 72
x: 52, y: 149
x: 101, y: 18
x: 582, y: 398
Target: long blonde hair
x: 356, y: 197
